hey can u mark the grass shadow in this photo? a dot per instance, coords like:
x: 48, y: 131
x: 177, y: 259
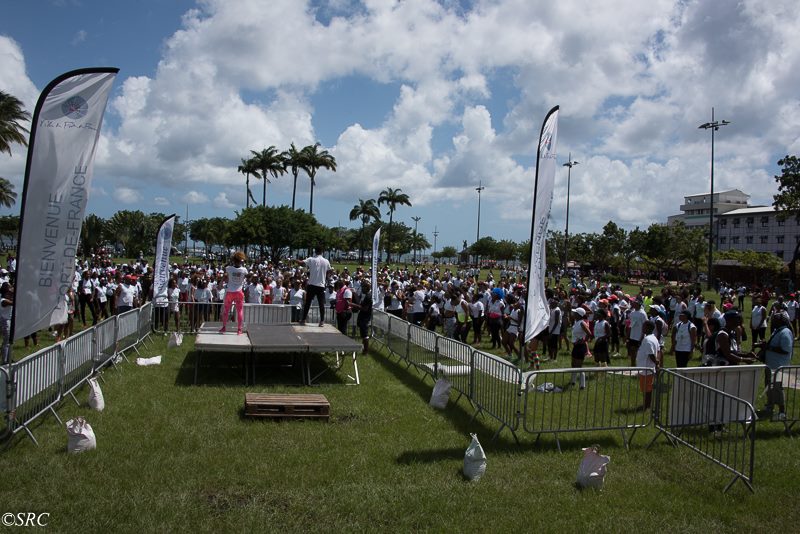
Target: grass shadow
x: 430, y: 456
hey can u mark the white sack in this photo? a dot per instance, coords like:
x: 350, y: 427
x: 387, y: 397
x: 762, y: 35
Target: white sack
x: 441, y: 394
x: 80, y: 436
x: 175, y: 340
x: 592, y: 470
x: 96, y: 400
x: 155, y: 360
x: 474, y: 460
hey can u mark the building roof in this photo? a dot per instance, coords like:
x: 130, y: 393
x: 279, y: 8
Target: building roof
x: 749, y: 211
x: 719, y: 193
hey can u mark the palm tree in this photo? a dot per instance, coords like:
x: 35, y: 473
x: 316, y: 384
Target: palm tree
x: 247, y: 168
x: 313, y: 160
x: 11, y: 116
x: 269, y: 162
x: 392, y: 198
x: 7, y: 195
x: 293, y: 159
x: 366, y: 210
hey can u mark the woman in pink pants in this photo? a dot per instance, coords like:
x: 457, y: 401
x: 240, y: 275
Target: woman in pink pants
x: 234, y: 293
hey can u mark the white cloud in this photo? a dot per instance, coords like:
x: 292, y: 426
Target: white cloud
x: 194, y: 197
x: 161, y: 201
x: 221, y: 201
x: 126, y: 195
x: 80, y: 36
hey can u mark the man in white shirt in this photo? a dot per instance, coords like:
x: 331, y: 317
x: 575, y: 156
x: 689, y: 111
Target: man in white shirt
x: 647, y: 357
x: 318, y: 270
x: 634, y: 332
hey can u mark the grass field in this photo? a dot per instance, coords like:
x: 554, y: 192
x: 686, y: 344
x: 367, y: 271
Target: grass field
x: 176, y: 457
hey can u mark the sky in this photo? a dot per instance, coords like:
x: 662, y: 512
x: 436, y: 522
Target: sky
x: 432, y: 97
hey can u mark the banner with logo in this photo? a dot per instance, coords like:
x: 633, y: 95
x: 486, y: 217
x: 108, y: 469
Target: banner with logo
x: 163, y: 247
x: 537, y: 311
x: 377, y: 301
x: 65, y: 129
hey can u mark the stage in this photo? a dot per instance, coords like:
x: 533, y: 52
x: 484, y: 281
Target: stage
x: 260, y: 340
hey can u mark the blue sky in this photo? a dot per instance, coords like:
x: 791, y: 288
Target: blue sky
x: 428, y: 96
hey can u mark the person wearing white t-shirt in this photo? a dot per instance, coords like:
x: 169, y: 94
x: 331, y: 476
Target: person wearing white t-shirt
x: 234, y: 293
x: 255, y: 291
x: 637, y: 319
x: 684, y: 337
x: 647, y: 357
x: 318, y: 270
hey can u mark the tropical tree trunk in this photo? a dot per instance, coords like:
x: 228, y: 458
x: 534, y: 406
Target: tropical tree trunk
x: 264, y: 193
x: 311, y: 202
x: 363, y: 235
x: 389, y: 238
x: 247, y: 195
x: 294, y: 189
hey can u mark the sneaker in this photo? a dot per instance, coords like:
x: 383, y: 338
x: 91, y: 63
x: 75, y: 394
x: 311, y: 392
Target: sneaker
x: 781, y: 417
x: 222, y: 330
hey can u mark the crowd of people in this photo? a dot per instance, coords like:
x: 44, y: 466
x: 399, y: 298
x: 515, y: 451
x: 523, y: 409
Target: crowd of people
x: 588, y: 318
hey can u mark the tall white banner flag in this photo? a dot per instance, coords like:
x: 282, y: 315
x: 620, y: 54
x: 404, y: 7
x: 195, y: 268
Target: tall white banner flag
x: 163, y: 247
x: 64, y: 132
x: 377, y: 301
x: 537, y: 311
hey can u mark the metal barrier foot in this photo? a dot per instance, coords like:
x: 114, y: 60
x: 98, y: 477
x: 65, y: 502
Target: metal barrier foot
x: 74, y: 398
x: 732, y: 482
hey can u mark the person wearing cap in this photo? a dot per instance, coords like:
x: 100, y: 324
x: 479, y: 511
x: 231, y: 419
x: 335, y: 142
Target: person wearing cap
x: 684, y: 337
x: 581, y: 334
x: 602, y: 331
x: 494, y: 314
x: 633, y: 332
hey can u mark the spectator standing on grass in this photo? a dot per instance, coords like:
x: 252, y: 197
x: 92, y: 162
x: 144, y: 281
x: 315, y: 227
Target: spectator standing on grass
x: 581, y: 334
x: 364, y: 307
x: 124, y: 295
x: 684, y: 337
x: 720, y: 347
x: 647, y: 357
x: 6, y: 309
x: 554, y: 327
x: 637, y: 318
x: 318, y: 270
x: 740, y: 294
x: 344, y: 304
x: 476, y: 310
x: 777, y: 353
x: 173, y: 301
x: 758, y: 321
x: 792, y: 307
x: 602, y: 331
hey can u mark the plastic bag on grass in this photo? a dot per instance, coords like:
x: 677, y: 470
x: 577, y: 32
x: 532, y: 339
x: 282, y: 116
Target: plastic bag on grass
x: 441, y: 394
x: 96, y: 400
x: 80, y: 436
x: 592, y: 470
x: 155, y: 360
x: 175, y: 340
x: 474, y: 460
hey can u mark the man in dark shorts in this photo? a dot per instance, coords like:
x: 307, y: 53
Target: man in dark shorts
x: 364, y: 307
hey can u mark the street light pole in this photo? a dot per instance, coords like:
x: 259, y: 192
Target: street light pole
x: 414, y: 243
x: 435, y: 235
x: 713, y: 126
x: 480, y: 188
x: 569, y: 164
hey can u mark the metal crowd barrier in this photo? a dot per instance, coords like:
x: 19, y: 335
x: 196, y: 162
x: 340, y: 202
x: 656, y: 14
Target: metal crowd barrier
x: 454, y: 361
x: 39, y: 382
x: 144, y: 322
x: 714, y: 424
x: 496, y: 389
x: 380, y: 326
x: 397, y: 337
x: 105, y: 342
x: 267, y: 313
x: 604, y: 398
x: 788, y: 378
x: 127, y: 331
x: 78, y: 361
x: 422, y: 350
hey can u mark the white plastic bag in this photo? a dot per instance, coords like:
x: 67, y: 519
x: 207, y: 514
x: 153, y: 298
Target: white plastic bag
x: 96, y: 400
x: 474, y: 460
x: 175, y: 340
x: 80, y: 436
x: 592, y: 470
x: 441, y: 394
x: 155, y: 360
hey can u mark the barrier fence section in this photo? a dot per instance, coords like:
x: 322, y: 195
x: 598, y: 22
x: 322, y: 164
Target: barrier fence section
x: 786, y: 387
x: 40, y: 381
x: 144, y: 322
x: 587, y: 399
x: 497, y: 389
x: 711, y: 422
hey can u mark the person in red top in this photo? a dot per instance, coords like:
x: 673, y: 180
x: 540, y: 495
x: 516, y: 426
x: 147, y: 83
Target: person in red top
x: 344, y: 304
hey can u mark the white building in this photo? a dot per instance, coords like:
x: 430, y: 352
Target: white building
x: 759, y: 229
x: 695, y: 208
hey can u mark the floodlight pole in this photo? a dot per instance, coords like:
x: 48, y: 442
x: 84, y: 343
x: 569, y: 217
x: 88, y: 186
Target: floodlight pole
x: 569, y: 164
x: 713, y: 126
x: 414, y: 243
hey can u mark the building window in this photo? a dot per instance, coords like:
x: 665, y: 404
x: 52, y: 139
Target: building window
x: 764, y: 222
x: 781, y: 222
x: 735, y: 240
x: 779, y: 239
x: 749, y: 240
x: 764, y: 239
x: 736, y: 222
x: 723, y: 240
x: 724, y: 223
x: 750, y: 221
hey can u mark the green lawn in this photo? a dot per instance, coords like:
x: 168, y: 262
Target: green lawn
x: 176, y: 457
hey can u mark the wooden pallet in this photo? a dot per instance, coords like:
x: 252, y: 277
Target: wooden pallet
x: 299, y: 406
